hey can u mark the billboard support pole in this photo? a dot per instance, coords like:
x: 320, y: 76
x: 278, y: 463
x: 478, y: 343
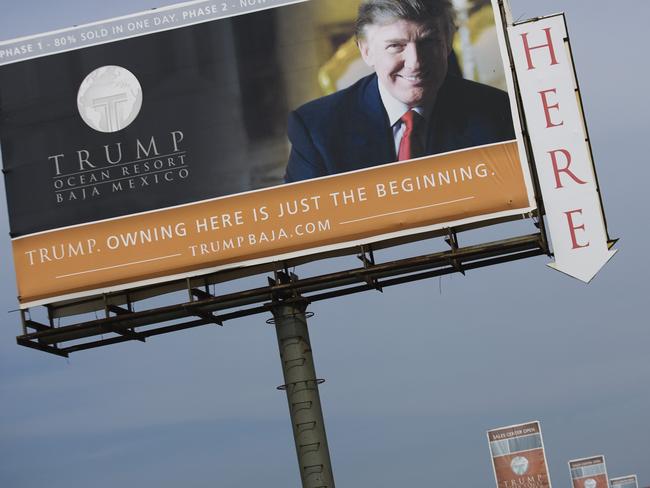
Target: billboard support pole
x: 301, y: 385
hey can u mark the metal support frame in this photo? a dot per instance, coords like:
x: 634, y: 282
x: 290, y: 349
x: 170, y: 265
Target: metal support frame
x: 301, y: 386
x: 367, y: 257
x: 539, y: 218
x: 286, y: 297
x: 123, y: 323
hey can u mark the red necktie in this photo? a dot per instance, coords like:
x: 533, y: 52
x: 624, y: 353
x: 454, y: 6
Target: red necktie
x: 410, y: 146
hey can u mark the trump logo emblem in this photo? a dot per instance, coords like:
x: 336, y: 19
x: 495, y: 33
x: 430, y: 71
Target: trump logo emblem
x: 109, y: 99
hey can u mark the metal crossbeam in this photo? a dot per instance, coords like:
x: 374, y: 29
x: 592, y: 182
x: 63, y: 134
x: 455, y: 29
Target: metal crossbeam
x: 208, y: 309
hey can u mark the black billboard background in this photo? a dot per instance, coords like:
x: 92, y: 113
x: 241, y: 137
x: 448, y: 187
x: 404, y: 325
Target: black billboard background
x: 217, y: 82
x: 227, y: 85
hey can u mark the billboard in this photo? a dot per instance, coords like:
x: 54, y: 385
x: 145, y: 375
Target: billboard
x: 589, y: 472
x: 208, y: 135
x: 624, y: 482
x: 518, y: 456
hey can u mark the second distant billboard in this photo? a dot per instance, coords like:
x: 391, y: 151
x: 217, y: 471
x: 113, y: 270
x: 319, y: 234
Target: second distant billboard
x: 589, y: 472
x: 624, y: 482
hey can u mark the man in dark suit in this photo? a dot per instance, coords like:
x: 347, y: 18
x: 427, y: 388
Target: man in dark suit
x: 410, y: 106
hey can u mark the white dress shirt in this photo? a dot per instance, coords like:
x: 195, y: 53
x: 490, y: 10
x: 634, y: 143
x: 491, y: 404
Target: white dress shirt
x: 395, y: 109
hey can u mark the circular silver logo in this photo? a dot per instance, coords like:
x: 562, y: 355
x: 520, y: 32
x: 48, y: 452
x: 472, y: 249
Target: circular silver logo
x: 109, y: 98
x: 519, y: 465
x: 590, y: 483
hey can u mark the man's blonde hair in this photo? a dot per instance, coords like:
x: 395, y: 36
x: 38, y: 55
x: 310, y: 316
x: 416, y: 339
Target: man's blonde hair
x: 378, y: 12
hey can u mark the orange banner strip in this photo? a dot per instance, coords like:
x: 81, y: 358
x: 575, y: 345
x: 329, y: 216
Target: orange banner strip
x: 300, y: 217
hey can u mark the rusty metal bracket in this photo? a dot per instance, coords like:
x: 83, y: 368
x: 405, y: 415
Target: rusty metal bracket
x: 367, y: 257
x: 452, y: 242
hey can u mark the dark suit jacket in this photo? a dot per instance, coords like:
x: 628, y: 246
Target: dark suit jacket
x: 349, y: 129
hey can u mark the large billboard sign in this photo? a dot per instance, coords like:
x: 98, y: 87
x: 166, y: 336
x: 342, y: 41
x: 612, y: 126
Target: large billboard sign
x: 210, y: 135
x: 518, y: 456
x: 589, y: 472
x: 624, y: 482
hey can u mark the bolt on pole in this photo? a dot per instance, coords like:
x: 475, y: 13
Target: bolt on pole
x: 301, y: 385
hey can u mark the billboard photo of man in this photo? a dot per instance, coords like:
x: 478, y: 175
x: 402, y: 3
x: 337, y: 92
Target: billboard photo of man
x: 411, y: 106
x: 194, y: 180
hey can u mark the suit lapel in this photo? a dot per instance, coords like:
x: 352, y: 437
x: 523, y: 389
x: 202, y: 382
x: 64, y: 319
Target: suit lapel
x: 378, y: 135
x: 448, y: 128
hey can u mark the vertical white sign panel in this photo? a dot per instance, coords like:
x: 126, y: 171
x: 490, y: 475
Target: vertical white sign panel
x: 560, y: 146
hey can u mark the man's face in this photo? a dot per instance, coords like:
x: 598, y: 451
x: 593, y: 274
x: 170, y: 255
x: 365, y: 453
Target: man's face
x: 410, y: 58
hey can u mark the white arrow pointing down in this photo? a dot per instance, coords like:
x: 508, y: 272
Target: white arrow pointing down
x: 584, y: 266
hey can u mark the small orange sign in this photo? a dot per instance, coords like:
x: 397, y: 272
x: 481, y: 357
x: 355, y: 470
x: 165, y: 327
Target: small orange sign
x: 518, y: 456
x: 589, y: 472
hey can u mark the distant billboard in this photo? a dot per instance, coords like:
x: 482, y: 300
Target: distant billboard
x: 518, y: 456
x: 180, y: 141
x: 589, y: 472
x: 624, y: 482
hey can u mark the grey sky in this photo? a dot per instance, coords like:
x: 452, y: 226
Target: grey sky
x: 415, y: 376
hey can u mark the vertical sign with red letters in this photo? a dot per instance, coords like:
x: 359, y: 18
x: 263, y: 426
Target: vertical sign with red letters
x: 560, y: 146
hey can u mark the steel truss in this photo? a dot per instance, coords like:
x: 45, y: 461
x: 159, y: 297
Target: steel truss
x: 121, y: 323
